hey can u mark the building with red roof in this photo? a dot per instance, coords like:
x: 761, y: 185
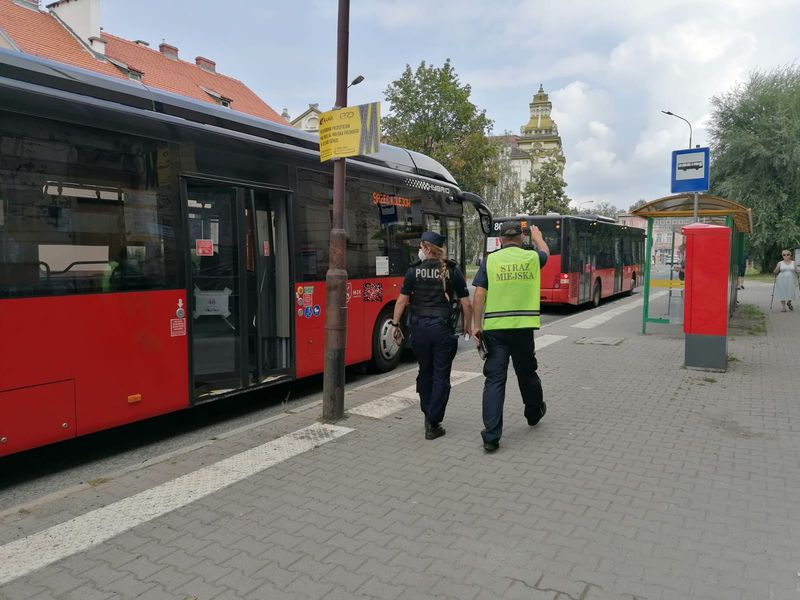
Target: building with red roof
x: 68, y: 31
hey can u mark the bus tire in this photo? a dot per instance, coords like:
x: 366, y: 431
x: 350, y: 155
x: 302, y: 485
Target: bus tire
x: 596, y: 294
x: 386, y: 353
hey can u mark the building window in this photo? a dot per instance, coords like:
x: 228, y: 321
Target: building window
x: 134, y: 76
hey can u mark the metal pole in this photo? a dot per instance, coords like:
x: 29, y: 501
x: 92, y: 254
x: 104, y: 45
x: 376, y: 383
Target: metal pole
x: 336, y: 277
x: 696, y: 218
x: 672, y: 114
x: 647, y: 274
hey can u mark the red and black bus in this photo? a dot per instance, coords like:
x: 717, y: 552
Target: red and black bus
x: 591, y: 257
x: 158, y: 252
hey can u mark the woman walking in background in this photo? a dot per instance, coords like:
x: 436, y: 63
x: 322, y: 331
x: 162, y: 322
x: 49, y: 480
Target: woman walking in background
x: 786, y: 280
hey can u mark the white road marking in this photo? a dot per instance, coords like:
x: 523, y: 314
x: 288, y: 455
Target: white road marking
x: 383, y: 407
x: 20, y: 557
x: 542, y: 341
x: 402, y: 399
x: 607, y: 315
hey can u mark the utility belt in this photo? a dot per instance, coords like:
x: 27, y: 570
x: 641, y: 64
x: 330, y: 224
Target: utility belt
x: 449, y: 315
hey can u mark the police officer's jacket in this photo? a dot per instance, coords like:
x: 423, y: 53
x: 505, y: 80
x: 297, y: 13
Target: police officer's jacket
x: 514, y: 286
x: 423, y: 283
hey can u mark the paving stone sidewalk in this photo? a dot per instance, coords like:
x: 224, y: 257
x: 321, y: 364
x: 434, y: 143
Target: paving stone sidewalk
x: 644, y: 481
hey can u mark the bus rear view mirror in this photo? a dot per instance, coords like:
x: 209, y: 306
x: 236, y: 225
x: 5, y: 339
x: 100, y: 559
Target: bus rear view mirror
x: 484, y: 214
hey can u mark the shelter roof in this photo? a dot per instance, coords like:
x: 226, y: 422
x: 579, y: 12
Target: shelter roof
x: 682, y: 205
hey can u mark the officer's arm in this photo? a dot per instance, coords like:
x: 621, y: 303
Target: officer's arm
x: 478, y: 304
x: 466, y: 312
x: 399, y: 309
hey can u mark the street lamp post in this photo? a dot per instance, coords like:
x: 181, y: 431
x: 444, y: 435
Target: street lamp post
x: 672, y: 114
x: 584, y: 202
x: 336, y: 277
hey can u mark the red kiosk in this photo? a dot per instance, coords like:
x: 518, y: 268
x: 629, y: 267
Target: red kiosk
x: 705, y: 322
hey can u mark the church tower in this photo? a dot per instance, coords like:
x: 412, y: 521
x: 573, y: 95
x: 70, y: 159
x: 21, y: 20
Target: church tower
x: 539, y: 137
x: 524, y: 154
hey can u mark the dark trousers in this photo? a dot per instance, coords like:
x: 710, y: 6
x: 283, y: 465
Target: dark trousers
x: 435, y: 345
x: 519, y: 346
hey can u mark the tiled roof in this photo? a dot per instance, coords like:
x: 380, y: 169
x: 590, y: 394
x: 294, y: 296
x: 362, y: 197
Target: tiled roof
x: 187, y: 79
x: 40, y: 34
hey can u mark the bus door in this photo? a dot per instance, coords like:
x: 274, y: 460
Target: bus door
x: 268, y: 285
x: 234, y: 237
x: 587, y: 265
x: 618, y: 262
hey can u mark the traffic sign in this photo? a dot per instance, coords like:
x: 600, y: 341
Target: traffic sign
x: 690, y: 170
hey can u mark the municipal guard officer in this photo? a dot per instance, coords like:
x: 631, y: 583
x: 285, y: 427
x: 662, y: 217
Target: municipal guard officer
x: 506, y: 312
x: 437, y: 292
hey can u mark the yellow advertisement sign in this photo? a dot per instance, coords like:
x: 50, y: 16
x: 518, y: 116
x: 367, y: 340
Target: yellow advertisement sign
x: 350, y: 131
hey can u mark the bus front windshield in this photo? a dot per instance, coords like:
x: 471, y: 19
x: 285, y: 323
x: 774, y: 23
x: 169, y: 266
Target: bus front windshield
x: 551, y: 232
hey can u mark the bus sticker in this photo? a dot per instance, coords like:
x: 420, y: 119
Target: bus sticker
x: 177, y: 327
x: 204, y: 247
x: 373, y: 292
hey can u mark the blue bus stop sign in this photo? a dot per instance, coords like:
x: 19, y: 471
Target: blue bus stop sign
x: 690, y: 170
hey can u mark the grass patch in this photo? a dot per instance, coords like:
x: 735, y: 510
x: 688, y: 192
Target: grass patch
x: 748, y: 320
x: 763, y: 277
x: 470, y: 274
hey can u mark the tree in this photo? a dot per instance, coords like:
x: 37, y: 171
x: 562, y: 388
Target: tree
x: 545, y: 191
x: 637, y: 204
x: 755, y: 150
x: 605, y: 208
x: 431, y: 113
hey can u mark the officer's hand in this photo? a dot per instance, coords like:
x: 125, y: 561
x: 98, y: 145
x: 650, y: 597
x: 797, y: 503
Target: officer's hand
x: 536, y: 236
x: 397, y: 334
x: 476, y: 335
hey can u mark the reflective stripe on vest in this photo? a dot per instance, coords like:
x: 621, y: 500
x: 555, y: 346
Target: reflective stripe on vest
x: 512, y: 298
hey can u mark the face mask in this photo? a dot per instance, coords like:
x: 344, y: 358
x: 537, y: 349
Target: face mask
x: 421, y: 254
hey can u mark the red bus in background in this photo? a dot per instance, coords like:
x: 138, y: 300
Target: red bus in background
x: 157, y: 252
x: 591, y: 257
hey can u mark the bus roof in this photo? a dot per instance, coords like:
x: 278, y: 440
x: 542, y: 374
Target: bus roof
x: 39, y: 71
x: 554, y: 216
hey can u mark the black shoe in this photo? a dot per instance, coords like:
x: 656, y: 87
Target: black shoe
x: 534, y: 420
x: 491, y: 446
x: 433, y: 431
x: 789, y: 304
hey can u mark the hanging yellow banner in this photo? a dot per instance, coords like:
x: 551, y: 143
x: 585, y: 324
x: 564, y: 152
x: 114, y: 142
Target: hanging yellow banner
x: 350, y: 131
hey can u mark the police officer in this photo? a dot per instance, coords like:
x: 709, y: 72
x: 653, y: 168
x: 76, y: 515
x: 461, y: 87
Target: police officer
x: 437, y: 291
x: 506, y: 312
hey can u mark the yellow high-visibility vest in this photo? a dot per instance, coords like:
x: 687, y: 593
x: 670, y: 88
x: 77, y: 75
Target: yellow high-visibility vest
x: 512, y: 298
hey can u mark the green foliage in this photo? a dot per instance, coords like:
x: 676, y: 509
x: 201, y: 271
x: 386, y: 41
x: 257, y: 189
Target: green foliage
x: 545, y: 192
x: 755, y: 150
x: 637, y: 204
x: 431, y: 113
x: 604, y: 208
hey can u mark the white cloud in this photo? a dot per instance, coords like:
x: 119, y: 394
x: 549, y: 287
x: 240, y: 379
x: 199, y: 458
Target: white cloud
x: 610, y: 67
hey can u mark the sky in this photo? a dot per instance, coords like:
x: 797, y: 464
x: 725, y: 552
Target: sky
x: 609, y: 66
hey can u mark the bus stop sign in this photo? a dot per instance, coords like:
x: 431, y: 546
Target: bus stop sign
x: 690, y: 170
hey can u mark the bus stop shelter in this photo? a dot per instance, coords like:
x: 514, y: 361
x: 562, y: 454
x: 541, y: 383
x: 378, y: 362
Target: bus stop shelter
x: 709, y: 209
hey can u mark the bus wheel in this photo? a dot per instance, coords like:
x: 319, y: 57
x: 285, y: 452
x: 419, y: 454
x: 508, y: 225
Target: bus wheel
x: 596, y: 294
x: 386, y: 352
